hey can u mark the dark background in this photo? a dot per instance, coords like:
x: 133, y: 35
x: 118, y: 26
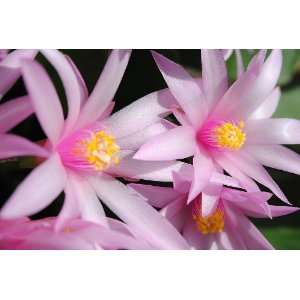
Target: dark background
x: 143, y: 77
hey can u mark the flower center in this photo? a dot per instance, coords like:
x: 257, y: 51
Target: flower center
x: 213, y: 223
x: 90, y: 150
x: 223, y: 135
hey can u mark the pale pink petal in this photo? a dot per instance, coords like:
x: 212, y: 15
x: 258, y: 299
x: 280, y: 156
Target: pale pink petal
x: 10, y: 68
x: 37, y: 191
x: 210, y: 198
x: 147, y: 170
x: 221, y: 179
x: 277, y: 157
x: 244, y: 181
x: 203, y: 169
x: 137, y: 213
x: 44, y: 99
x: 177, y: 143
x: 255, y: 170
x: 239, y: 63
x: 184, y: 88
x: 105, y: 88
x: 13, y: 145
x: 214, y: 75
x: 174, y: 207
x: 14, y: 112
x: 70, y: 82
x: 157, y: 196
x: 273, y: 131
x: 107, y: 112
x: 136, y: 140
x: 268, y: 107
x: 89, y: 205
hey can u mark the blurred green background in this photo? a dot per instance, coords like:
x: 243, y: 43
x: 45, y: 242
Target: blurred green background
x: 143, y: 77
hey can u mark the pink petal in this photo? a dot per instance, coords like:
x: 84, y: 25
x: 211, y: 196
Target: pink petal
x: 221, y: 179
x: 273, y: 131
x: 37, y: 191
x: 69, y: 78
x: 141, y: 113
x: 268, y: 107
x: 136, y: 140
x: 174, y: 207
x: 147, y: 170
x: 255, y: 170
x: 44, y: 99
x: 89, y: 206
x: 245, y: 181
x: 137, y: 213
x: 214, y: 75
x: 239, y: 63
x: 203, y: 169
x: 105, y: 88
x: 157, y: 196
x: 10, y: 68
x: 13, y: 145
x: 184, y: 88
x: 210, y: 198
x: 14, y: 112
x: 277, y: 157
x: 177, y: 143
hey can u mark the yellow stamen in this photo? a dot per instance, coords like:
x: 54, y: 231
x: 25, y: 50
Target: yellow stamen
x: 100, y: 150
x: 230, y: 135
x: 211, y: 224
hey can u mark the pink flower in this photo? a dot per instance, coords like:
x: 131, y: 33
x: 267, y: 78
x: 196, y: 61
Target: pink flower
x: 77, y: 234
x: 227, y: 128
x: 10, y: 67
x: 89, y: 149
x: 227, y: 227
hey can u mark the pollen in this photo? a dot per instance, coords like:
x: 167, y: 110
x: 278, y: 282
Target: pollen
x: 230, y: 135
x: 100, y: 150
x: 213, y: 223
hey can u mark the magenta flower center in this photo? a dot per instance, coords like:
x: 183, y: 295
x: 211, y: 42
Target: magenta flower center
x: 222, y: 135
x: 88, y: 149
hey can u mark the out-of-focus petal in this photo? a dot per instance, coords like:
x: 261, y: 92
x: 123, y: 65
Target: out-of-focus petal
x: 10, y: 68
x: 157, y: 196
x: 134, y: 211
x: 184, y: 88
x: 255, y: 170
x: 239, y: 63
x: 70, y: 82
x: 13, y: 112
x: 13, y: 145
x: 214, y: 75
x: 277, y: 157
x: 37, y: 191
x: 44, y: 99
x: 273, y: 131
x: 141, y: 113
x: 136, y: 140
x: 177, y: 143
x: 105, y: 88
x: 268, y: 107
x: 147, y: 170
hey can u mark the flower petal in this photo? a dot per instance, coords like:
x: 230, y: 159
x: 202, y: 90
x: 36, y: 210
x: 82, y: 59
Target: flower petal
x: 37, y: 191
x: 255, y: 170
x: 10, y: 68
x: 141, y: 113
x: 268, y: 107
x: 44, y: 99
x: 13, y: 145
x: 273, y: 131
x: 137, y: 213
x: 177, y: 143
x: 210, y: 198
x: 147, y: 170
x: 70, y: 82
x: 157, y: 196
x: 14, y: 112
x: 105, y: 88
x: 136, y: 140
x: 184, y: 88
x: 214, y: 75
